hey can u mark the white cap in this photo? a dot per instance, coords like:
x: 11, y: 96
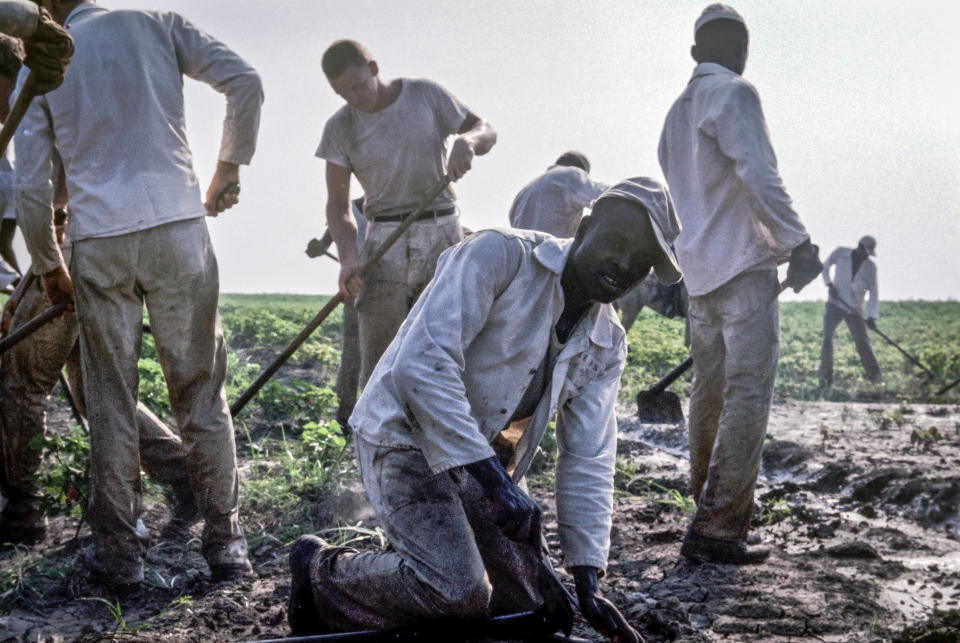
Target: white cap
x: 869, y: 243
x: 717, y: 11
x: 655, y: 199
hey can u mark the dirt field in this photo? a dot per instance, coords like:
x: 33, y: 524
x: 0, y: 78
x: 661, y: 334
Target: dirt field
x: 863, y: 522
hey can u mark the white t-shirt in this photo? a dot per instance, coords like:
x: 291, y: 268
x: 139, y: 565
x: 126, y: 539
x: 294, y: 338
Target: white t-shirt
x: 398, y: 154
x: 554, y: 201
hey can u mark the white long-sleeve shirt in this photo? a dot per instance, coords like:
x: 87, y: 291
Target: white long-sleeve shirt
x: 118, y: 122
x: 852, y: 289
x: 554, y: 201
x: 716, y: 155
x: 458, y: 367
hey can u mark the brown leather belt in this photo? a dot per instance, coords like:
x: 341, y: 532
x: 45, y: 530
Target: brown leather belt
x: 426, y: 214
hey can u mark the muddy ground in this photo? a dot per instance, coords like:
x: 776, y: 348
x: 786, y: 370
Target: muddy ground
x: 863, y: 521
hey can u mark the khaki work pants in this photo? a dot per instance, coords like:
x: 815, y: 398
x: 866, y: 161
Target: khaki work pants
x: 28, y: 372
x: 392, y: 286
x: 735, y: 335
x: 172, y: 269
x: 447, y: 558
x: 832, y: 317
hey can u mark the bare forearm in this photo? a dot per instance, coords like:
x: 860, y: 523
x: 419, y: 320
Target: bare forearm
x: 342, y: 229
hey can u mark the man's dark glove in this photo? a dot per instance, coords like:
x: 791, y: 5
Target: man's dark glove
x: 871, y: 323
x: 832, y: 291
x: 602, y: 615
x: 804, y: 265
x: 49, y: 50
x: 516, y: 513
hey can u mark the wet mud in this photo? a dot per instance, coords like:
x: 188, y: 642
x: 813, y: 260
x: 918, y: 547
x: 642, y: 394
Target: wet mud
x: 859, y: 503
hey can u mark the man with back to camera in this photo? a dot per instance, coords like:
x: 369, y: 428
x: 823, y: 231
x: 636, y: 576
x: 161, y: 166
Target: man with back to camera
x: 392, y: 135
x: 140, y: 237
x: 854, y: 275
x: 554, y: 201
x: 738, y: 224
x: 515, y: 330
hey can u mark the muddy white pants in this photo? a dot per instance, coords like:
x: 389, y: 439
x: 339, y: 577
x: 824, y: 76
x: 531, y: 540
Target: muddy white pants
x: 28, y: 372
x: 391, y: 288
x: 735, y: 334
x: 172, y: 269
x: 447, y: 558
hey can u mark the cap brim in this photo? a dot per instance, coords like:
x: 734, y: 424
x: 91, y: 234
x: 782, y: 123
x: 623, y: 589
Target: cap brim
x: 667, y: 269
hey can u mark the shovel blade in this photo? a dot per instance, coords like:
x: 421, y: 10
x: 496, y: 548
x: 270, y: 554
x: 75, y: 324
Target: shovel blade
x: 659, y: 408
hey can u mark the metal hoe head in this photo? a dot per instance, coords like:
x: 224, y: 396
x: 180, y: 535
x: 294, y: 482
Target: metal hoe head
x: 659, y: 407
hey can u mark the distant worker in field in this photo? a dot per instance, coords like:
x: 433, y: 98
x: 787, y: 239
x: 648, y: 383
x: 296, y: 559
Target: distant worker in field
x: 140, y: 238
x: 554, y: 201
x: 738, y: 224
x: 854, y: 275
x: 514, y: 331
x: 392, y: 135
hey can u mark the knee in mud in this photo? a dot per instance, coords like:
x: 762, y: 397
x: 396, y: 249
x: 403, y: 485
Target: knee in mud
x: 467, y: 599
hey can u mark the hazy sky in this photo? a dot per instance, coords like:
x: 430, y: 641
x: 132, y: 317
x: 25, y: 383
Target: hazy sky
x: 861, y: 100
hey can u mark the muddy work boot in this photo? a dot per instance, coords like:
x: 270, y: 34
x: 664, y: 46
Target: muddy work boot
x: 117, y: 583
x: 302, y: 615
x: 727, y: 552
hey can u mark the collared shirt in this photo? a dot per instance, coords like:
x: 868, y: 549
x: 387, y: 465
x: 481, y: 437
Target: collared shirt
x: 399, y: 154
x: 852, y: 288
x: 118, y: 123
x: 460, y: 363
x: 554, y: 201
x: 716, y: 155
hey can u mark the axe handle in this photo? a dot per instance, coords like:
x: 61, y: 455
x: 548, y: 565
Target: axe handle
x: 32, y: 326
x: 335, y: 301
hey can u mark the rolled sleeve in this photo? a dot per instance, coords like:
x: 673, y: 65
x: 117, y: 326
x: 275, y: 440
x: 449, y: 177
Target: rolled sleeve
x: 586, y: 460
x: 431, y: 358
x: 204, y: 58
x: 33, y: 172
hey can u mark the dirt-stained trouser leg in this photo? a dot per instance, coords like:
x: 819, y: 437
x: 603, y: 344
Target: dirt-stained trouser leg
x: 392, y: 286
x: 435, y: 567
x: 748, y: 311
x: 28, y: 372
x: 858, y: 331
x: 110, y: 312
x: 179, y: 277
x: 161, y: 452
x: 832, y: 316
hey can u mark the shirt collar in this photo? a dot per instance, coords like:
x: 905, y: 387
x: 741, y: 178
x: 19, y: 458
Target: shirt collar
x: 552, y: 253
x: 705, y: 69
x: 83, y: 7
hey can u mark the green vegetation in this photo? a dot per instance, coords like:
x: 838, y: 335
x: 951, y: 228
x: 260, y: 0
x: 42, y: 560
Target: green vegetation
x: 928, y: 330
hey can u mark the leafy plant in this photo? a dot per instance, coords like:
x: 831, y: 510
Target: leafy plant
x: 924, y: 440
x: 775, y: 510
x: 66, y: 481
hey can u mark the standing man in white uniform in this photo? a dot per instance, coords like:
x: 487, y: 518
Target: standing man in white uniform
x: 554, y: 201
x: 738, y: 224
x: 854, y: 275
x: 139, y: 236
x: 392, y: 135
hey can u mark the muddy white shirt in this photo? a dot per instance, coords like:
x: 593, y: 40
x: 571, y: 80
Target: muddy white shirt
x: 460, y: 363
x: 716, y: 155
x: 851, y: 288
x: 399, y: 154
x: 554, y: 201
x: 118, y: 123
